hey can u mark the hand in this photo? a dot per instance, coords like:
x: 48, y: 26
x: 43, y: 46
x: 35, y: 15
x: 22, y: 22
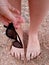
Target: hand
x: 9, y: 14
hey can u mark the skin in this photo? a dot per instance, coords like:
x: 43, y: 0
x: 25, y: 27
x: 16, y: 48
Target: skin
x: 38, y: 11
x: 11, y: 12
x: 15, y: 51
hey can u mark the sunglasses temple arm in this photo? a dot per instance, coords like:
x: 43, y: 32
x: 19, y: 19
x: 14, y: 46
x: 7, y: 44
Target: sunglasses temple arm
x: 5, y: 26
x: 19, y: 39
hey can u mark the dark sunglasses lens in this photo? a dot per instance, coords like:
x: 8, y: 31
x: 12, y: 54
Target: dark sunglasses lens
x: 17, y: 44
x: 11, y: 33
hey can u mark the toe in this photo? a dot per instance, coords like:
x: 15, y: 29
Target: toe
x: 35, y: 54
x: 17, y: 53
x: 18, y: 56
x: 22, y: 56
x: 31, y: 56
x: 11, y: 52
x: 38, y: 52
x: 28, y: 56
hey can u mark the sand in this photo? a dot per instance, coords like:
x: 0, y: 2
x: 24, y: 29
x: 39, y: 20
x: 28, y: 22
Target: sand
x: 43, y: 34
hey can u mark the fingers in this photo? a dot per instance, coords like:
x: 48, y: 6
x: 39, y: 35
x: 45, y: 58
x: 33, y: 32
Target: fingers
x: 16, y: 12
x: 19, y: 22
x: 8, y: 11
x: 8, y: 14
x: 13, y: 9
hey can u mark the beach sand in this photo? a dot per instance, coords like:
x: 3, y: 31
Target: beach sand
x: 43, y: 34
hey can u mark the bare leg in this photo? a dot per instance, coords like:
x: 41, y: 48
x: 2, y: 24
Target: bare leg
x: 38, y: 10
x: 16, y: 51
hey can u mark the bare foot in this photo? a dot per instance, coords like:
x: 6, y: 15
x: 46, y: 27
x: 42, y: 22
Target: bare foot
x: 18, y: 52
x: 33, y: 48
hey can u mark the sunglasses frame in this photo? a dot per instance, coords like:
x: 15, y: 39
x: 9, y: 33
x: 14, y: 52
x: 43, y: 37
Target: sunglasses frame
x: 11, y: 30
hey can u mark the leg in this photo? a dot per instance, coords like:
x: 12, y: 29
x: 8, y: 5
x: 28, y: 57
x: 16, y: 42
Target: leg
x: 16, y: 51
x: 38, y: 10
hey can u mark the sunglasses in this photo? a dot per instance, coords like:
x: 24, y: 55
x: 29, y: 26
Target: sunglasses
x: 11, y: 33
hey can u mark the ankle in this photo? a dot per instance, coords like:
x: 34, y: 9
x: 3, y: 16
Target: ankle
x: 33, y: 35
x: 33, y: 32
